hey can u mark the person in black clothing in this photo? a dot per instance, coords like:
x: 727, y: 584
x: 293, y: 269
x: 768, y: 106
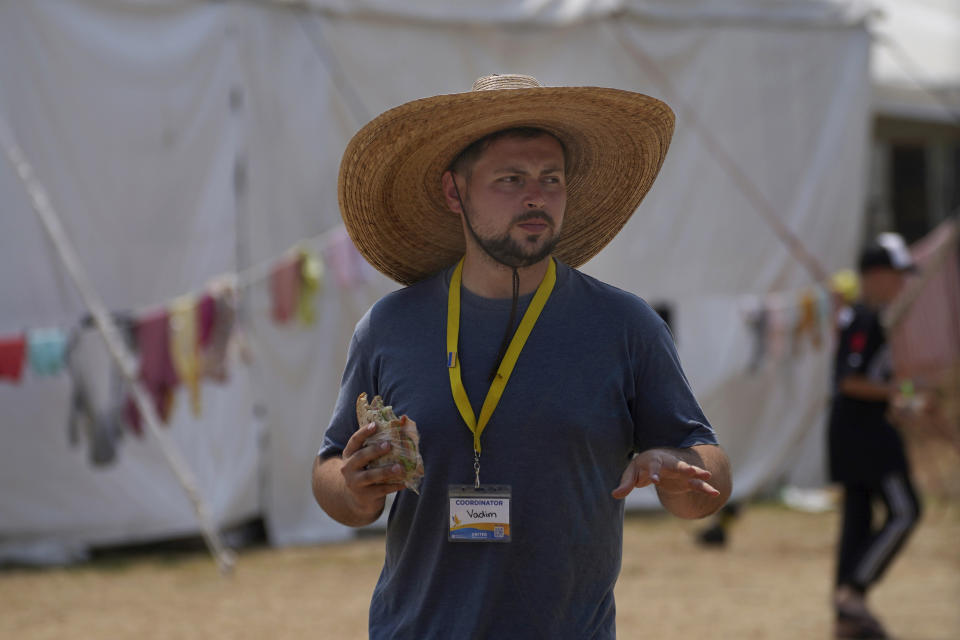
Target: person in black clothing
x: 866, y: 452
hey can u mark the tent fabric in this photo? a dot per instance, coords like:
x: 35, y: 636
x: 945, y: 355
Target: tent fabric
x: 180, y: 141
x: 926, y: 341
x: 823, y: 12
x: 916, y: 63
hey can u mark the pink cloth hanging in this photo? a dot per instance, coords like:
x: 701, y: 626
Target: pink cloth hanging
x: 157, y: 373
x: 206, y: 317
x: 285, y: 288
x: 216, y: 325
x: 348, y: 266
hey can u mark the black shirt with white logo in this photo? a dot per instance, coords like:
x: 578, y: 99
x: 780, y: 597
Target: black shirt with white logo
x: 864, y: 446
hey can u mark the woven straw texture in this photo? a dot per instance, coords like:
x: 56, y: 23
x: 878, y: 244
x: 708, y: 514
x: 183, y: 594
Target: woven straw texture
x: 390, y: 189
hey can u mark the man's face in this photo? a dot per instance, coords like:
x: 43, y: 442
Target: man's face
x: 515, y: 197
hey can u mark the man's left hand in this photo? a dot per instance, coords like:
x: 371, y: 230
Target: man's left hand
x: 670, y: 474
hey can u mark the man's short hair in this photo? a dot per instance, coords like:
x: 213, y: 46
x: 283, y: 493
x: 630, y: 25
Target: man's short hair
x: 463, y: 163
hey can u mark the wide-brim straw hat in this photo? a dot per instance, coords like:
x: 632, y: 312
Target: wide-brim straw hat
x: 389, y: 187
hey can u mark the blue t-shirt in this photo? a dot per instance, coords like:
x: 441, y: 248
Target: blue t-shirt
x: 597, y: 379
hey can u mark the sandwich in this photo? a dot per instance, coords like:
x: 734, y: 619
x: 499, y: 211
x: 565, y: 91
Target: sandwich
x: 402, y: 435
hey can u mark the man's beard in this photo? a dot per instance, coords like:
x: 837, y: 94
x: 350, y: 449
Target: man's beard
x: 507, y: 251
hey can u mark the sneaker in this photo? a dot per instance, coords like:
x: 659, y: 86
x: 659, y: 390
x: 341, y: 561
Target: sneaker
x: 859, y: 625
x: 714, y: 536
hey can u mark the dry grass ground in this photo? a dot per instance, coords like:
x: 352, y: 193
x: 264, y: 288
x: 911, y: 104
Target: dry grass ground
x: 772, y: 581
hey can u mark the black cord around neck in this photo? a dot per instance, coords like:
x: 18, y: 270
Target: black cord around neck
x: 508, y: 334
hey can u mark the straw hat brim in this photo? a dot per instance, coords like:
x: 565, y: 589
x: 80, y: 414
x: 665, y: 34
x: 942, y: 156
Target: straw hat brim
x: 389, y: 186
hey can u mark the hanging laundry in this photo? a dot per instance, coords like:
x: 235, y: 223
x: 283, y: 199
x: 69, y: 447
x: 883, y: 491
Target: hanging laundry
x: 216, y: 314
x: 345, y: 261
x: 311, y: 282
x: 824, y: 313
x: 157, y: 373
x: 285, y: 287
x: 206, y: 317
x: 780, y: 323
x: 125, y: 323
x: 185, y: 347
x: 13, y: 353
x: 96, y: 402
x: 806, y: 320
x: 757, y: 319
x: 46, y: 351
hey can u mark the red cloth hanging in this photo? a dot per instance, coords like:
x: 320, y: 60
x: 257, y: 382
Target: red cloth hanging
x: 13, y: 353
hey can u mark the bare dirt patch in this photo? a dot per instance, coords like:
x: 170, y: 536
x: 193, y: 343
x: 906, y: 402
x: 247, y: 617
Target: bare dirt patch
x: 772, y: 581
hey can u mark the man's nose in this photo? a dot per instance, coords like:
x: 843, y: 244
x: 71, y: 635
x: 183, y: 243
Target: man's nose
x: 534, y: 197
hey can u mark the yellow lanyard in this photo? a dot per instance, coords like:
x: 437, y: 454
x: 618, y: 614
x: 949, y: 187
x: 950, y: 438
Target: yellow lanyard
x: 509, y: 359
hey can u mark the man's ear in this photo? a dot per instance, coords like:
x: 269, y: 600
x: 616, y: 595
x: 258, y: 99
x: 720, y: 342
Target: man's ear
x: 450, y: 192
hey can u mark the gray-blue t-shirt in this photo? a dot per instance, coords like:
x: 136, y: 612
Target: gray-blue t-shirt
x: 597, y: 379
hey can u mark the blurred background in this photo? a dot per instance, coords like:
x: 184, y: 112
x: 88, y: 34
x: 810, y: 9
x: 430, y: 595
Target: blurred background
x: 189, y: 152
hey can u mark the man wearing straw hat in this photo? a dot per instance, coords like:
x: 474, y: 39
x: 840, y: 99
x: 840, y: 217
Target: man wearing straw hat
x: 542, y: 396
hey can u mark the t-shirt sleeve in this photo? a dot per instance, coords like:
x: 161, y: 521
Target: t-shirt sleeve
x: 665, y: 411
x: 357, y: 378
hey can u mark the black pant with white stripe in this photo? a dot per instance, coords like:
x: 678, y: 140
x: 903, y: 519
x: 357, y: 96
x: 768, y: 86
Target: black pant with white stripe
x: 865, y: 551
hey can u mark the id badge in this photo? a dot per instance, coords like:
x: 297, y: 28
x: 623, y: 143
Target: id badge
x: 479, y: 514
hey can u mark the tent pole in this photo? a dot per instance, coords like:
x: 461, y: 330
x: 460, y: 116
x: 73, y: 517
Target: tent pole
x: 726, y: 161
x: 117, y: 349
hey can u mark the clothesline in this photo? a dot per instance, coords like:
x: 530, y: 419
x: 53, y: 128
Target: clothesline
x: 261, y: 271
x: 243, y: 279
x: 781, y: 322
x: 42, y: 207
x: 252, y: 275
x: 725, y: 160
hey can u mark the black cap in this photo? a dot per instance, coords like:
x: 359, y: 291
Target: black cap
x: 888, y: 251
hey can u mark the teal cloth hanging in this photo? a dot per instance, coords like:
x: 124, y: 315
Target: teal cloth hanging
x: 46, y: 350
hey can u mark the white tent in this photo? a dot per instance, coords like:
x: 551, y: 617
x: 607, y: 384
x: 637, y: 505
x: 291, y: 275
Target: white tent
x: 916, y: 63
x: 182, y: 140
